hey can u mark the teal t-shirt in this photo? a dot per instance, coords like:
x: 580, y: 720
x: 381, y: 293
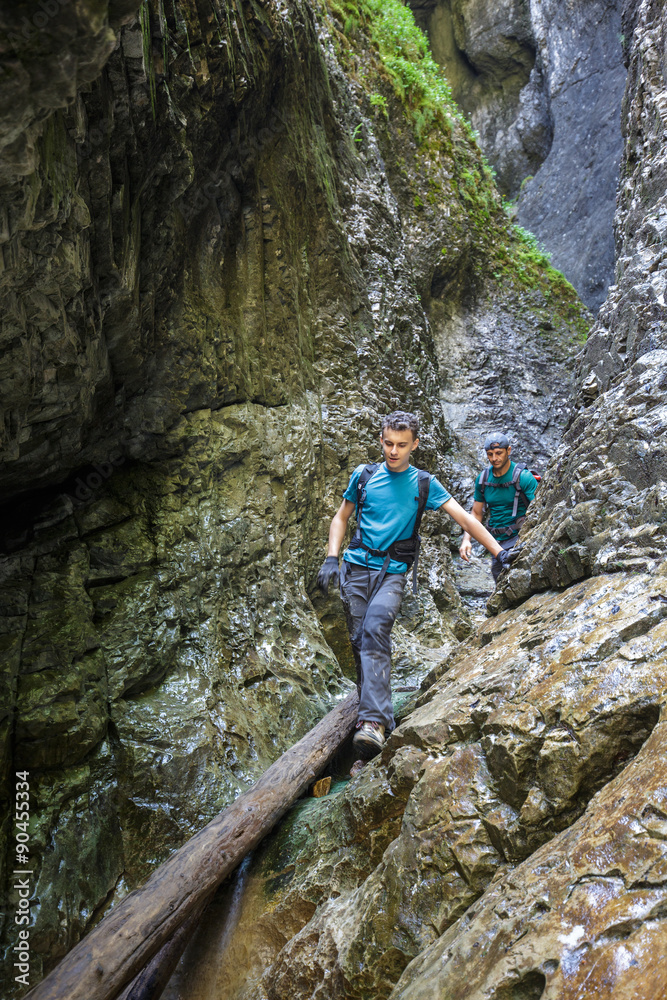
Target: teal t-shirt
x: 500, y: 501
x: 389, y: 511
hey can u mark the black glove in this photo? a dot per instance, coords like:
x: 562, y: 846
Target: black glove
x: 507, y: 556
x: 328, y: 572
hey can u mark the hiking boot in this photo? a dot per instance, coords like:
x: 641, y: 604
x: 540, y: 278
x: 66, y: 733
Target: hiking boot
x: 369, y: 738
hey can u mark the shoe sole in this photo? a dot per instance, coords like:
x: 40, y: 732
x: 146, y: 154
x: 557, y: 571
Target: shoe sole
x: 366, y: 744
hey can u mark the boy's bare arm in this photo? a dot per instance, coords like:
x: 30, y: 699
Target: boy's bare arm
x: 339, y: 526
x: 473, y: 526
x: 465, y: 551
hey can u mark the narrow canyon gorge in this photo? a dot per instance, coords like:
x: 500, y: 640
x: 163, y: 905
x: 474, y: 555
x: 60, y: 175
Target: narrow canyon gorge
x: 235, y: 234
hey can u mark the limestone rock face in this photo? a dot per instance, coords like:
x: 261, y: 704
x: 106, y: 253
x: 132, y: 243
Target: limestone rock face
x: 542, y: 83
x: 515, y: 794
x: 489, y: 55
x: 218, y: 261
x: 502, y: 359
x: 601, y: 504
x: 509, y: 842
x: 582, y: 917
x: 569, y: 203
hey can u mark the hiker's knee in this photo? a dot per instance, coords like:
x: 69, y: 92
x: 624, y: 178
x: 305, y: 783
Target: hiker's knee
x: 377, y: 628
x: 375, y: 640
x: 383, y: 615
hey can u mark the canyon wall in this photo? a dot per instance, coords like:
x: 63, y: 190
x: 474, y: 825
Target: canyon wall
x: 542, y: 83
x: 509, y: 843
x: 600, y: 507
x: 225, y: 230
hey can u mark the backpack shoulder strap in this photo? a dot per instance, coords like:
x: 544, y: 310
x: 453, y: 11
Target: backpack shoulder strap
x: 483, y: 482
x: 424, y: 483
x: 366, y: 473
x: 518, y: 492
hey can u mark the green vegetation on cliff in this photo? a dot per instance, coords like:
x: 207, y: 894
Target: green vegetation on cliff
x: 406, y: 61
x: 381, y: 46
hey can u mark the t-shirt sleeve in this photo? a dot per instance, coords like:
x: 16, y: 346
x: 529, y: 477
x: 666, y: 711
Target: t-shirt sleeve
x: 437, y: 495
x: 351, y: 491
x: 479, y: 492
x: 528, y: 483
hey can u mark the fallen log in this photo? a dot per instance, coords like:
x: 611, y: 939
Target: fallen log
x: 108, y: 958
x: 151, y: 981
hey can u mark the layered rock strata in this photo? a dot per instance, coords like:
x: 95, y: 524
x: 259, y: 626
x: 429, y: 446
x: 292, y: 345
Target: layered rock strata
x: 543, y: 84
x: 508, y: 837
x: 215, y: 257
x: 601, y: 505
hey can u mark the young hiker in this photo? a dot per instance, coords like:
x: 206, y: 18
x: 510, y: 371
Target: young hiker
x: 389, y: 499
x: 506, y: 489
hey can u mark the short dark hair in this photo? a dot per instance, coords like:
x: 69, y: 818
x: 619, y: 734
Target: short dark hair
x: 401, y: 421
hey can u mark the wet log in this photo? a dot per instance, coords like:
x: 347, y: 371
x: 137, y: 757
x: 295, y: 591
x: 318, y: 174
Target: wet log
x: 107, y: 959
x: 151, y: 981
x: 153, y: 978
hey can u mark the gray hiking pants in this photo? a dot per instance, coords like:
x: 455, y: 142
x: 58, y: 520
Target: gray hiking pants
x: 372, y: 647
x: 507, y: 543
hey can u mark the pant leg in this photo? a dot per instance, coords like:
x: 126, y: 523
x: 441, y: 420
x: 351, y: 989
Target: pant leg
x: 372, y: 645
x: 375, y: 652
x: 508, y: 543
x: 354, y: 590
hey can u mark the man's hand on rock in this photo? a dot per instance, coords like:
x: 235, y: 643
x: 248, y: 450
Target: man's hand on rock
x: 507, y: 556
x: 328, y: 571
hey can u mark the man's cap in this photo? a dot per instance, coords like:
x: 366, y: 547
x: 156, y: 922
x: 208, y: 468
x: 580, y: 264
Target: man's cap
x: 496, y: 440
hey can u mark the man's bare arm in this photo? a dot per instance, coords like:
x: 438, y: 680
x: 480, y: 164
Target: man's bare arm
x: 465, y: 551
x: 473, y: 526
x: 339, y: 526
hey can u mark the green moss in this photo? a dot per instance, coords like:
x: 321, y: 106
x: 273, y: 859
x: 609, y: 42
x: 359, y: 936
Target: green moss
x: 379, y: 101
x: 145, y: 22
x: 523, y: 262
x: 380, y: 45
x: 405, y: 58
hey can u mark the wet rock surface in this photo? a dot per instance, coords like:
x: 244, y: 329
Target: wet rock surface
x: 211, y: 291
x: 543, y: 84
x: 584, y: 916
x: 493, y: 836
x: 600, y: 506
